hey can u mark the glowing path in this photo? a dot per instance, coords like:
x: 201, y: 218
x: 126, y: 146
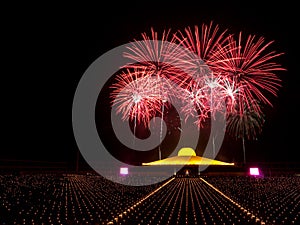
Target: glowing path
x: 139, y: 202
x: 233, y: 202
x: 186, y: 201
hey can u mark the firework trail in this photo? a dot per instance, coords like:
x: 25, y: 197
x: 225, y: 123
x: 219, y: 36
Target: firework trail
x: 216, y: 72
x: 206, y: 43
x: 159, y: 56
x: 136, y: 96
x: 245, y: 125
x: 195, y: 103
x: 252, y: 68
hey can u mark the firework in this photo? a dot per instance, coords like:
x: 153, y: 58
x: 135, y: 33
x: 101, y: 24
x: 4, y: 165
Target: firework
x: 252, y: 68
x: 247, y: 124
x: 151, y: 52
x: 229, y: 92
x: 136, y: 96
x: 159, y: 55
x: 203, y: 47
x: 207, y: 69
x: 195, y: 103
x: 233, y: 71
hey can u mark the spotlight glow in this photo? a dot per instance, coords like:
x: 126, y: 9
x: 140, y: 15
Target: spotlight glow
x: 254, y: 171
x: 124, y: 171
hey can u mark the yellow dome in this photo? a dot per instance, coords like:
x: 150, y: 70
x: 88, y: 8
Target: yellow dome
x: 186, y: 152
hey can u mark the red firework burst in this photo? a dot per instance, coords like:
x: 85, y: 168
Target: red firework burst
x: 159, y: 56
x: 195, y: 104
x: 212, y: 71
x: 136, y: 96
x: 252, y: 68
x: 158, y: 53
x: 204, y: 46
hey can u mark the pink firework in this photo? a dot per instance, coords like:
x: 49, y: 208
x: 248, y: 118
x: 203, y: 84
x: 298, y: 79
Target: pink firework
x: 151, y: 51
x: 195, y: 103
x: 204, y: 45
x: 229, y: 92
x: 159, y: 55
x: 252, y: 68
x: 206, y: 68
x: 136, y: 96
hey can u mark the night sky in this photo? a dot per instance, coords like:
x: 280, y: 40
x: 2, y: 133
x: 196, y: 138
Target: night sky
x: 47, y: 48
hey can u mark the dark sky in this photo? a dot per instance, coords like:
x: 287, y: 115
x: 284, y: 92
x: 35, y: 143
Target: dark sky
x: 47, y: 48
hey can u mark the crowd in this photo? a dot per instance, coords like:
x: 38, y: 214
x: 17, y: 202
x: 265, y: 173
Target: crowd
x: 92, y: 199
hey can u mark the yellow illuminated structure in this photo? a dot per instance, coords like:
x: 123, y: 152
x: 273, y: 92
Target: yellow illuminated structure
x: 187, y: 156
